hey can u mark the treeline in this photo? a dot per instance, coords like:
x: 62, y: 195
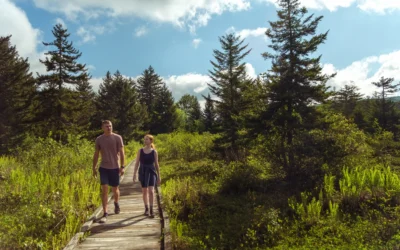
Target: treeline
x: 62, y: 101
x: 281, y: 106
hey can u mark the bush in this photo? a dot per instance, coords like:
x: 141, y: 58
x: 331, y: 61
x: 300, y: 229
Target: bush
x: 48, y: 192
x: 186, y: 146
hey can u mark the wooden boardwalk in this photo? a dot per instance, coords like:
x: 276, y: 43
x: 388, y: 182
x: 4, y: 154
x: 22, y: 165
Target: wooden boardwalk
x: 130, y: 229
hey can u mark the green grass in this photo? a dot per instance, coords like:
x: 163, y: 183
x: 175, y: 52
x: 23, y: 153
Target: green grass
x: 214, y: 205
x: 48, y: 192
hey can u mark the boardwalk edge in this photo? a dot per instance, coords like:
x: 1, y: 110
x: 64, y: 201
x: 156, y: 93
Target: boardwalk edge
x: 85, y: 227
x: 166, y: 243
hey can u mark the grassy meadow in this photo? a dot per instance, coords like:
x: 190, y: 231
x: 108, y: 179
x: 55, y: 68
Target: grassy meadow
x: 48, y: 192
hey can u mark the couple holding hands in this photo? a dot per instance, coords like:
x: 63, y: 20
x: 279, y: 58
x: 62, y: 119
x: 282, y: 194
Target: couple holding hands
x: 111, y: 147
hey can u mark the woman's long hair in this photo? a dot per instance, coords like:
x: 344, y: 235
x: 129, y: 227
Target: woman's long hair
x: 152, y: 140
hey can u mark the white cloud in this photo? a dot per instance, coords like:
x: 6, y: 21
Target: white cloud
x: 246, y: 33
x: 95, y: 82
x: 190, y: 83
x: 24, y: 36
x: 60, y: 21
x: 141, y: 31
x: 251, y: 71
x: 196, y: 42
x: 379, y: 6
x: 181, y: 13
x: 88, y: 33
x: 360, y: 72
x: 255, y: 32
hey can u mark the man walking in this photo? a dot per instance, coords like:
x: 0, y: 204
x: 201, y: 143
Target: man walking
x: 111, y: 147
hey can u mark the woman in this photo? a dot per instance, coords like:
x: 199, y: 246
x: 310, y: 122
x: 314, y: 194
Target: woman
x: 148, y: 159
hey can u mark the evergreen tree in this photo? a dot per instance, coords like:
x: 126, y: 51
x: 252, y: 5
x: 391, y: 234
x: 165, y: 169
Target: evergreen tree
x: 180, y: 121
x: 149, y: 86
x: 230, y: 81
x: 164, y: 112
x: 17, y: 87
x: 191, y: 106
x: 209, y: 115
x: 295, y: 82
x: 118, y: 101
x: 63, y: 89
x: 346, y: 99
x: 384, y: 109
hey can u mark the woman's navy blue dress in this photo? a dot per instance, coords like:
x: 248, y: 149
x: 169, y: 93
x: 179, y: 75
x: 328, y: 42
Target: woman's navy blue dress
x: 147, y: 169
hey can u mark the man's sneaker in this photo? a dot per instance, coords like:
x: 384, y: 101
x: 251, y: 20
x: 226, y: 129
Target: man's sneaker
x: 104, y: 218
x: 117, y: 210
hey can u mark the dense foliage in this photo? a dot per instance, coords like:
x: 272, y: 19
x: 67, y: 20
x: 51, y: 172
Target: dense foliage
x: 276, y: 162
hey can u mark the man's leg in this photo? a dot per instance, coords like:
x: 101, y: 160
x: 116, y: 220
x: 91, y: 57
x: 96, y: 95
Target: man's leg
x: 114, y: 182
x: 104, y: 181
x: 116, y: 199
x: 116, y: 193
x: 104, y: 197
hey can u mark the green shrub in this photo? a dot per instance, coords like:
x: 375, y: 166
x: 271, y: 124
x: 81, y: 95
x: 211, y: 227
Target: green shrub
x: 185, y: 146
x: 48, y: 192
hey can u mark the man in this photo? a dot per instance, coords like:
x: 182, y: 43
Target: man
x: 111, y: 147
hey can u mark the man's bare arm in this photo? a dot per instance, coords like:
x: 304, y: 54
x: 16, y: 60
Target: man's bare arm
x: 95, y: 160
x: 122, y: 156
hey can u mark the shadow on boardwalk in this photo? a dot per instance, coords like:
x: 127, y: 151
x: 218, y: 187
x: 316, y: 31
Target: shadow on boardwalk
x: 130, y: 229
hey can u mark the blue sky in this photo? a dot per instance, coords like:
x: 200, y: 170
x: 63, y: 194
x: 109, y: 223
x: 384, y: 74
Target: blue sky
x: 177, y: 37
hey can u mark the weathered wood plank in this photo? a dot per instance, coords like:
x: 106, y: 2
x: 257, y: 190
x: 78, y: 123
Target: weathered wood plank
x: 128, y: 230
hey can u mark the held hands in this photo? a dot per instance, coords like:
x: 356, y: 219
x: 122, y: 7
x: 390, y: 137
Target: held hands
x: 134, y: 178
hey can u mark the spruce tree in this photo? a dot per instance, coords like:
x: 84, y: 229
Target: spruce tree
x: 191, y: 106
x: 64, y: 89
x: 384, y: 109
x: 230, y: 81
x: 345, y: 100
x: 295, y: 81
x: 209, y: 115
x: 165, y: 113
x: 118, y: 101
x: 149, y: 87
x: 17, y: 88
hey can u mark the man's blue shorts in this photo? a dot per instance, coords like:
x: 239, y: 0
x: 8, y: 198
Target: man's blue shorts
x: 109, y: 176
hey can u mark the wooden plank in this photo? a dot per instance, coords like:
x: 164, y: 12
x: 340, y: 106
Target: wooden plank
x: 129, y: 229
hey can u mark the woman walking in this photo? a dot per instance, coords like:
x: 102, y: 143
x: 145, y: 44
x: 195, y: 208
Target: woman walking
x: 149, y: 172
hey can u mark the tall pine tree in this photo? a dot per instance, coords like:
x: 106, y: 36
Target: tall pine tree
x: 118, y: 101
x: 191, y: 106
x: 17, y: 88
x: 164, y: 112
x: 62, y: 99
x: 384, y: 109
x: 209, y: 115
x: 345, y: 100
x: 230, y: 81
x: 295, y: 82
x: 149, y: 87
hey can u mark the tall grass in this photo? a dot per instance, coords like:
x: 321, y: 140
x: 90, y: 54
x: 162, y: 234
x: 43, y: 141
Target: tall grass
x: 184, y: 146
x: 218, y: 205
x: 47, y: 192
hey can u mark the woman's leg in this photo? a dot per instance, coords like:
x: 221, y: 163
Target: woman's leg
x: 145, y: 200
x: 151, y: 199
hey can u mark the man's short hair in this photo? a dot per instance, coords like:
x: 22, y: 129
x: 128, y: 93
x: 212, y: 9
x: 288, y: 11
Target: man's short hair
x: 105, y: 122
